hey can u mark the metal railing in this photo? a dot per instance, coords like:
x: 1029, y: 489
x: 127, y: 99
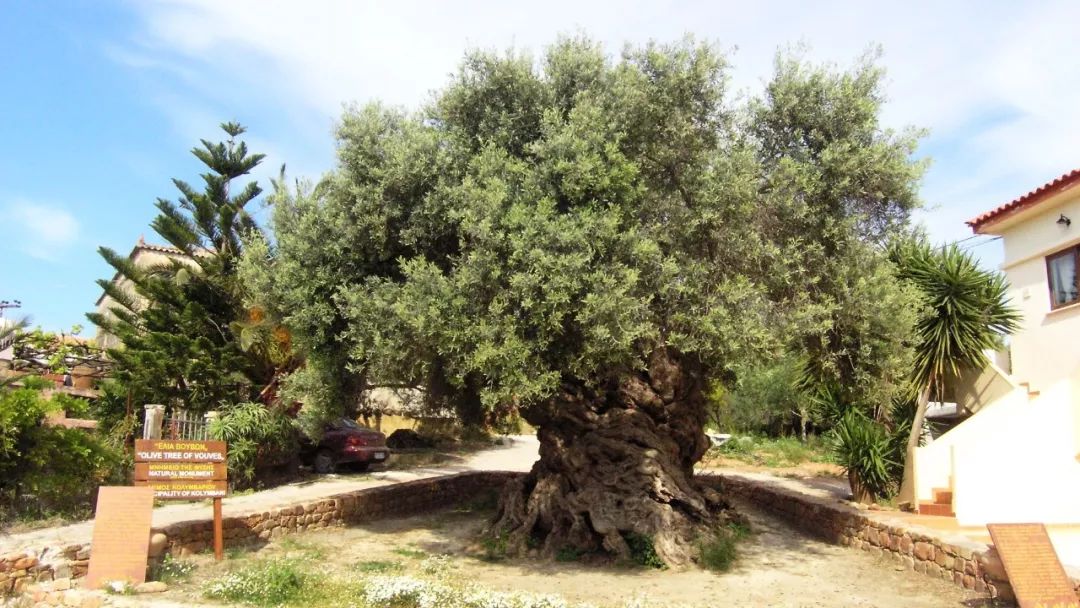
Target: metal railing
x: 183, y: 424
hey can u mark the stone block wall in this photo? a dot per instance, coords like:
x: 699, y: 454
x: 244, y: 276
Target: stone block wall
x: 396, y: 500
x: 969, y: 564
x: 20, y: 569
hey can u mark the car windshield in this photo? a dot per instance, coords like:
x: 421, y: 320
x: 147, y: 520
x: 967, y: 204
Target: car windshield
x: 345, y: 423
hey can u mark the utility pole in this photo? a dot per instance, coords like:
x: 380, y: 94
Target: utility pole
x: 5, y: 304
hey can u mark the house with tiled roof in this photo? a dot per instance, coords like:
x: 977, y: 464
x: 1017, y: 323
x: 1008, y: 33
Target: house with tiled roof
x: 143, y: 255
x: 1042, y: 251
x: 1016, y: 456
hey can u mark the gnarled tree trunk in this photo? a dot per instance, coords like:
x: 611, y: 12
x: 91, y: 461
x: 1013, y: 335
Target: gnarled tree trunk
x: 615, y: 463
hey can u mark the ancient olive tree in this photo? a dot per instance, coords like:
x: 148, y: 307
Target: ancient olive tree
x: 583, y: 241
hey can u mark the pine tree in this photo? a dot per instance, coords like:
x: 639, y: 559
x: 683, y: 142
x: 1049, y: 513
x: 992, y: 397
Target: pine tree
x: 176, y: 320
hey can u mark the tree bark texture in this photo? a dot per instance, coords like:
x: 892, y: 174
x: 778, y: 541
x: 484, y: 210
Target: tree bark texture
x: 618, y: 462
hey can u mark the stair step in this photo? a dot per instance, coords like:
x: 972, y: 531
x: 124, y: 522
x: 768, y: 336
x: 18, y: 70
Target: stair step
x: 942, y: 496
x: 929, y: 508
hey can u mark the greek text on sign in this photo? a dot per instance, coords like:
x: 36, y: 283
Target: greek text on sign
x: 182, y: 490
x: 179, y: 450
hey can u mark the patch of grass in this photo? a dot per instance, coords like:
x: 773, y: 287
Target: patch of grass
x: 266, y: 583
x: 411, y: 553
x: 642, y: 551
x: 378, y: 567
x: 171, y: 570
x: 495, y: 547
x: 719, y: 551
x: 234, y: 553
x: 774, y: 452
x: 291, y: 544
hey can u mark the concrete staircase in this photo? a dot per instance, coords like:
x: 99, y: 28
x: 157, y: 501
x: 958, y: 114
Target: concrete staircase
x: 941, y: 505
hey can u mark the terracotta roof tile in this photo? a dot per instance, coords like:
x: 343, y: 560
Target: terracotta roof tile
x: 1028, y: 200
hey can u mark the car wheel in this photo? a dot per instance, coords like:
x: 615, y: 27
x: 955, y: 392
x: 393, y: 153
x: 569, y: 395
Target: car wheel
x: 324, y: 462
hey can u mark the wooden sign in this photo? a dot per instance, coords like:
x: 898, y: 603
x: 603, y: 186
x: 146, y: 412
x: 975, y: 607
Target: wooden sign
x: 121, y: 541
x: 199, y: 471
x: 182, y: 469
x: 185, y: 469
x: 181, y: 489
x: 179, y: 450
x: 1035, y: 572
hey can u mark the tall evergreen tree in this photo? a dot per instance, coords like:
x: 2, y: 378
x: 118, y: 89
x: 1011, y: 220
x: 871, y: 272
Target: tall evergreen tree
x: 177, y: 320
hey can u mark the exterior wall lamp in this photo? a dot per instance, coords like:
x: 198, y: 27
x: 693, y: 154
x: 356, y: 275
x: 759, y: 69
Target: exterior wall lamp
x: 1064, y: 221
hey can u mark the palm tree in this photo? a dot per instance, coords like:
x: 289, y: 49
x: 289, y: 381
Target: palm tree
x: 968, y: 314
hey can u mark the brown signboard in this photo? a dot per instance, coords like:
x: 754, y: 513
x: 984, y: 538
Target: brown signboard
x: 186, y: 489
x: 179, y: 450
x: 1035, y: 572
x: 187, y: 471
x: 121, y: 541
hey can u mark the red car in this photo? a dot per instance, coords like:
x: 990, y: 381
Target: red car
x: 345, y: 442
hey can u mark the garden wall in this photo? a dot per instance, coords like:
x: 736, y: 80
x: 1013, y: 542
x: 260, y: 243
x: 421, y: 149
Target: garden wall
x: 396, y: 500
x: 19, y: 569
x: 969, y: 564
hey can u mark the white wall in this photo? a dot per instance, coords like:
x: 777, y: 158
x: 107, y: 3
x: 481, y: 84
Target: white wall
x: 1045, y: 349
x: 1015, y: 461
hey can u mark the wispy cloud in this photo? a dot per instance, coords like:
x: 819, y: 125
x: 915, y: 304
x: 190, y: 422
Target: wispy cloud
x: 41, y: 231
x: 993, y: 81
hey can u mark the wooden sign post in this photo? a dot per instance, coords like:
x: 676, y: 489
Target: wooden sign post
x: 1033, y: 567
x: 183, y: 469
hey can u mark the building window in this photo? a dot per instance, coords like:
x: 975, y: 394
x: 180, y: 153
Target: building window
x: 1061, y: 272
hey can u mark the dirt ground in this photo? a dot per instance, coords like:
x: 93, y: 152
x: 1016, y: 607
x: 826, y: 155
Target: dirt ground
x: 777, y: 567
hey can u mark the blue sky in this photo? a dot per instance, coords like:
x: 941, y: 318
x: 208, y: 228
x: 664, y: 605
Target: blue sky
x: 103, y: 100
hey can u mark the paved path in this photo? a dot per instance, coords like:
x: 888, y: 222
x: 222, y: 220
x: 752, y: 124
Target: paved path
x: 518, y: 454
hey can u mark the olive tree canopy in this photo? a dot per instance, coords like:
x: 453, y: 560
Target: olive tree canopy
x: 583, y: 240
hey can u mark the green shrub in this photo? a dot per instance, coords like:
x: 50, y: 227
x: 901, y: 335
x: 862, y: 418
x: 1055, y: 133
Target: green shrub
x: 763, y: 399
x: 567, y: 554
x: 642, y: 551
x: 267, y: 583
x: 495, y: 546
x: 863, y: 447
x: 719, y: 551
x: 48, y: 471
x: 257, y: 434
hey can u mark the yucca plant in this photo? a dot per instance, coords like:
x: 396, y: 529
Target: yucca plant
x: 862, y: 448
x: 255, y: 433
x: 968, y: 314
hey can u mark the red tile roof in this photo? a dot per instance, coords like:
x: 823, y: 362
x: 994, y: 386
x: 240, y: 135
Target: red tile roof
x: 1028, y: 200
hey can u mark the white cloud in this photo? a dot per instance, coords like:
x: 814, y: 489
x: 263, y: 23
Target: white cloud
x: 994, y: 82
x: 41, y: 231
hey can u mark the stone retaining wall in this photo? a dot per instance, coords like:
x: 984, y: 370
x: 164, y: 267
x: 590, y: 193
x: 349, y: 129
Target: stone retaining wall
x: 396, y: 500
x: 969, y: 564
x: 19, y: 569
